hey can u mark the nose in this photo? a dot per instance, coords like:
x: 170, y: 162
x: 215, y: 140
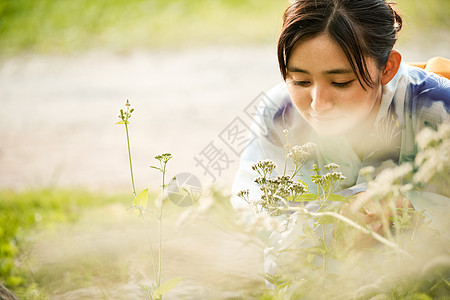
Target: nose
x: 321, y: 99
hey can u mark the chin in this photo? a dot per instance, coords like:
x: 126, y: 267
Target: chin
x: 328, y: 132
x: 332, y: 130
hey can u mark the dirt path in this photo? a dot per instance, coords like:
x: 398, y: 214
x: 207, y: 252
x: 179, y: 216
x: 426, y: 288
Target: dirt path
x: 58, y: 113
x: 58, y: 117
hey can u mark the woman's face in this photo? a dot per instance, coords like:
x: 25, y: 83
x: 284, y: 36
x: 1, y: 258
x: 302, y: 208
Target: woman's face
x: 326, y: 91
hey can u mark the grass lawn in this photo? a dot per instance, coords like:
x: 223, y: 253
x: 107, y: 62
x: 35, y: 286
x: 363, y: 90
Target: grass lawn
x: 24, y: 214
x: 70, y: 244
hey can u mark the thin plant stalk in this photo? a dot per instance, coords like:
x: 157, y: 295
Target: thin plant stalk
x: 125, y: 117
x: 324, y: 266
x: 163, y: 159
x: 125, y: 120
x: 129, y: 157
x: 353, y: 224
x: 160, y: 224
x: 149, y: 242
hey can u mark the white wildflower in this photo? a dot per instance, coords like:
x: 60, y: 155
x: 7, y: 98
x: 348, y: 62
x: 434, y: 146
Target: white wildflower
x: 299, y: 154
x: 426, y: 137
x: 264, y: 167
x: 388, y: 182
x: 433, y: 161
x: 331, y: 167
x: 393, y: 175
x: 367, y: 172
x: 406, y: 188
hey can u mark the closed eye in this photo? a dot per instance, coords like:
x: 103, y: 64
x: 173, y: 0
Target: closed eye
x: 301, y: 83
x: 342, y: 84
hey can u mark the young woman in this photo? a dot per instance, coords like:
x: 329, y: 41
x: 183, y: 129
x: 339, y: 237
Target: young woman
x: 345, y: 89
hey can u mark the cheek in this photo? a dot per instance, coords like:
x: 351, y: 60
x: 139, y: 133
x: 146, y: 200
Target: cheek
x: 356, y: 102
x: 299, y: 98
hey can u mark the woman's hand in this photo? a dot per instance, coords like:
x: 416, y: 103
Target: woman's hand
x: 377, y: 215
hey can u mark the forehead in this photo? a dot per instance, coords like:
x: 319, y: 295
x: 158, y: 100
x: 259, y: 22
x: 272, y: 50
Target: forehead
x: 318, y: 53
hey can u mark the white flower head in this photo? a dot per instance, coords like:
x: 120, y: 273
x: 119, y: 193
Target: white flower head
x: 299, y: 154
x: 393, y: 175
x: 331, y: 167
x: 367, y: 172
x: 426, y: 137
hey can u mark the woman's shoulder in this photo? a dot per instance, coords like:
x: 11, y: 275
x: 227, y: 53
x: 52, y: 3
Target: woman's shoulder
x: 428, y: 97
x: 426, y: 85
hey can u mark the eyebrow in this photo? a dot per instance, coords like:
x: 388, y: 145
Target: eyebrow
x: 328, y: 72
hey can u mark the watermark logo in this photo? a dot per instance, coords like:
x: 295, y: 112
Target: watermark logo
x: 220, y: 153
x: 184, y: 190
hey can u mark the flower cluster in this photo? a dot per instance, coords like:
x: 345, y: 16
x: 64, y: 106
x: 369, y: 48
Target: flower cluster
x: 277, y: 190
x: 331, y: 167
x: 164, y: 158
x: 328, y: 181
x: 264, y: 167
x: 333, y: 176
x: 126, y: 115
x: 428, y: 137
x: 328, y: 177
x: 433, y: 159
x: 367, y: 172
x: 388, y: 183
x: 244, y: 194
x: 299, y: 154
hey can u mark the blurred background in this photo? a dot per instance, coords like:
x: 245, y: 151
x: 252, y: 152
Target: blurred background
x: 188, y: 67
x: 191, y: 69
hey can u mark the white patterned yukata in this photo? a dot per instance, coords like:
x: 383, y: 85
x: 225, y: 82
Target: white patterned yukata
x: 412, y: 100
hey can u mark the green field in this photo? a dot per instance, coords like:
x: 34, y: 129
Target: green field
x: 36, y: 216
x: 24, y: 214
x: 61, y: 26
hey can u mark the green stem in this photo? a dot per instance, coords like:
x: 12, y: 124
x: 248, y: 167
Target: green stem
x: 353, y: 224
x: 324, y: 266
x: 129, y: 157
x: 160, y: 224
x: 297, y: 169
x: 149, y: 243
x: 160, y: 249
x: 414, y: 230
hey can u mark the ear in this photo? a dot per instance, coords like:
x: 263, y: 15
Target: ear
x: 391, y: 68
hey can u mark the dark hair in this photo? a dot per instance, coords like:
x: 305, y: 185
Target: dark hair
x: 360, y: 27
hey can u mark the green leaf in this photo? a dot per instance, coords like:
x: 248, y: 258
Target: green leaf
x: 293, y: 198
x: 166, y: 287
x: 141, y: 199
x: 309, y: 233
x: 121, y: 122
x: 304, y: 183
x: 310, y: 258
x: 147, y: 289
x: 334, y: 197
x: 306, y: 197
x: 420, y: 296
x: 326, y: 220
x: 314, y: 250
x: 153, y: 167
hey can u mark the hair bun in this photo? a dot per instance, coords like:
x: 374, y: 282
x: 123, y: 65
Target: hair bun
x: 398, y: 21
